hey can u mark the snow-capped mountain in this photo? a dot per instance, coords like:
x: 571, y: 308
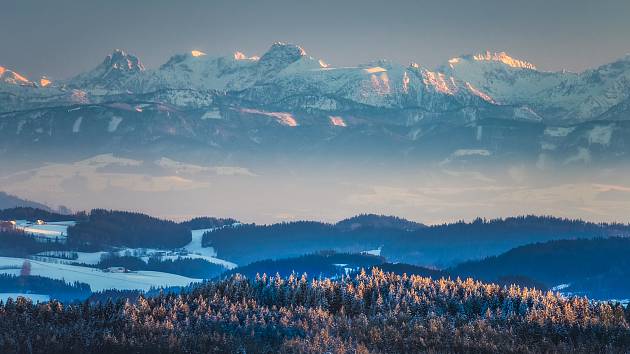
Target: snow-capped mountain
x: 483, y: 106
x: 10, y: 77
x: 560, y: 97
x: 112, y: 74
x: 283, y: 74
x: 287, y: 76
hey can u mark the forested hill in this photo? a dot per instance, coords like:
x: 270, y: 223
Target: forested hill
x: 597, y: 267
x: 100, y: 228
x: 10, y: 201
x: 438, y: 245
x: 379, y: 222
x: 118, y: 228
x: 32, y: 214
x: 370, y: 313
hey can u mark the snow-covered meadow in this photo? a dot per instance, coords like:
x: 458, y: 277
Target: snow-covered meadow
x: 97, y: 279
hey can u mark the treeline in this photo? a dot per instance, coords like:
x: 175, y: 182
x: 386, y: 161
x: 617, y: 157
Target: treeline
x: 105, y: 228
x: 249, y: 243
x: 32, y: 214
x: 370, y: 313
x: 438, y: 246
x: 8, y: 201
x: 56, y: 289
x: 319, y: 265
x: 188, y: 267
x: 206, y: 222
x: 100, y: 229
x: 17, y: 244
x: 378, y: 221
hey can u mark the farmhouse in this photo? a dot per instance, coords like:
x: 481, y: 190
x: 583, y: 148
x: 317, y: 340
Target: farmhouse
x: 6, y: 226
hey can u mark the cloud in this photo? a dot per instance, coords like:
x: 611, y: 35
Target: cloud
x: 97, y: 172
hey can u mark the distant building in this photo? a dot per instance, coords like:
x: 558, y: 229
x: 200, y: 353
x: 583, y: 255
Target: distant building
x: 7, y: 226
x: 117, y: 270
x: 42, y: 231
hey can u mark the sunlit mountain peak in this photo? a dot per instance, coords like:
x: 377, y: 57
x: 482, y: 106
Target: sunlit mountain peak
x: 123, y: 61
x: 197, y: 53
x: 282, y: 50
x: 12, y: 77
x: 242, y: 56
x: 504, y: 58
x: 44, y: 81
x: 497, y: 57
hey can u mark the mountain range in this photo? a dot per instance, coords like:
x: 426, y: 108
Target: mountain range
x: 485, y: 107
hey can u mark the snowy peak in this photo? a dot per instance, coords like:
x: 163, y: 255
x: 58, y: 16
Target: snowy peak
x: 44, y: 81
x: 121, y: 61
x: 197, y: 53
x: 111, y: 74
x: 285, y: 73
x: 242, y: 56
x: 498, y: 57
x: 13, y: 78
x: 282, y: 54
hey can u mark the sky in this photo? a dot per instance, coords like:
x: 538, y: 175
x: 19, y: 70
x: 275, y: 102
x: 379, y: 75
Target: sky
x: 61, y: 38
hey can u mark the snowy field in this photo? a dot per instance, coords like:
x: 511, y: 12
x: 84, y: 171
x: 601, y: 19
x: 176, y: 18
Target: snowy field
x: 96, y: 278
x: 193, y: 250
x: 71, y: 266
x: 50, y: 230
x: 208, y: 253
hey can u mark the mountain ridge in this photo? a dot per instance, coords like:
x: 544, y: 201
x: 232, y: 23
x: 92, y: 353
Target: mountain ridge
x: 499, y: 106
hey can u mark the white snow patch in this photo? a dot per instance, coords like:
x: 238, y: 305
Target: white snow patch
x: 601, y: 134
x: 526, y: 113
x: 559, y: 131
x: 213, y: 114
x: 560, y: 287
x: 283, y: 118
x: 376, y: 252
x: 196, y: 250
x: 113, y: 124
x: 374, y: 70
x: 47, y: 231
x: 96, y: 278
x: 77, y: 125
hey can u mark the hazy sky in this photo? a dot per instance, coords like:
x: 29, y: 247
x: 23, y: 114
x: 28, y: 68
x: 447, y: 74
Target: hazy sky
x: 61, y: 38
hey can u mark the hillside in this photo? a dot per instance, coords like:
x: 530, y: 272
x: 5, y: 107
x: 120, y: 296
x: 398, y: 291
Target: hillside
x: 437, y: 245
x: 8, y: 201
x: 572, y: 256
x: 325, y: 264
x: 371, y: 313
x: 597, y: 267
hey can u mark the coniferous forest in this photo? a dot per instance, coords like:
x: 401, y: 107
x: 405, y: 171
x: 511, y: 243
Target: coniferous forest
x: 373, y: 312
